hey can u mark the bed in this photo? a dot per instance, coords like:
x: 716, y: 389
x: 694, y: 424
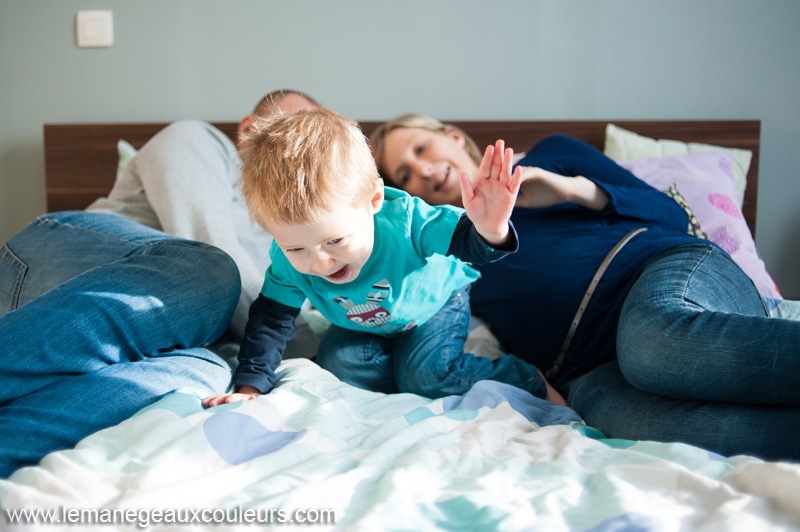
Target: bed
x: 318, y: 452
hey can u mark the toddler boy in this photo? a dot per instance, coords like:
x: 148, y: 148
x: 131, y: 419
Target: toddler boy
x: 386, y: 269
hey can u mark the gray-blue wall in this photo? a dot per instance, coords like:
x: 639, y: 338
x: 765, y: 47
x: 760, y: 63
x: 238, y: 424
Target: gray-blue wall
x: 372, y: 59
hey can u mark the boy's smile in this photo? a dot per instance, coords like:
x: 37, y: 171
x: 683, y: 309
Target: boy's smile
x: 342, y: 273
x: 334, y: 248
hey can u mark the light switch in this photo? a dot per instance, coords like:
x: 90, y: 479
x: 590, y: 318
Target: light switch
x: 95, y: 29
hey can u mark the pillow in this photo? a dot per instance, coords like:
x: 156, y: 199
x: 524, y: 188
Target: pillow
x: 624, y: 145
x: 125, y: 153
x: 705, y: 180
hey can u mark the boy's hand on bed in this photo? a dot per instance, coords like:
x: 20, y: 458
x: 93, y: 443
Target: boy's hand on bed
x: 490, y: 200
x: 243, y: 393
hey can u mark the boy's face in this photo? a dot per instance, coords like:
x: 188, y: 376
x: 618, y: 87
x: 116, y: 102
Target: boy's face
x: 336, y: 247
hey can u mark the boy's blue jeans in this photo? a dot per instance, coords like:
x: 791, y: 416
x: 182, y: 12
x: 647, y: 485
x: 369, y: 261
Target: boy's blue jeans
x: 428, y: 360
x: 698, y: 361
x: 99, y: 317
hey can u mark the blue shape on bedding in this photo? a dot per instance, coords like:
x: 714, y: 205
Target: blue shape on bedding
x: 492, y: 394
x: 715, y: 456
x: 593, y: 433
x: 179, y: 403
x: 422, y: 413
x: 461, y: 513
x: 238, y: 437
x: 418, y: 414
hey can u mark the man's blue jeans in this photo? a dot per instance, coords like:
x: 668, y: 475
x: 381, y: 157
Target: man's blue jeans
x: 428, y: 360
x: 698, y: 361
x: 99, y: 317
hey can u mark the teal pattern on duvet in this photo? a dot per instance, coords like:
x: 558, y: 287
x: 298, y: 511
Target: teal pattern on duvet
x: 496, y: 458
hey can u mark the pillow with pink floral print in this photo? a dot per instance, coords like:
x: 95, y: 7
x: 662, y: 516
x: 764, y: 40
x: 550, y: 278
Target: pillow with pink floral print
x: 705, y: 180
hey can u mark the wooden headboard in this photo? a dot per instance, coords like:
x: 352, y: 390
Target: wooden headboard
x: 81, y: 159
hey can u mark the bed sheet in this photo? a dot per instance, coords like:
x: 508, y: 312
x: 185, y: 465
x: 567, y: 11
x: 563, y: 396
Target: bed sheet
x: 495, y: 458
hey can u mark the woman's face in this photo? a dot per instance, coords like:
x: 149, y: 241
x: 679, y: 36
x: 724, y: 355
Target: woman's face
x: 427, y: 163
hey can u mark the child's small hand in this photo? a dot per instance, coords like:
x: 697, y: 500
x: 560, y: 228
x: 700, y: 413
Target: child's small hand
x: 491, y: 199
x: 243, y: 393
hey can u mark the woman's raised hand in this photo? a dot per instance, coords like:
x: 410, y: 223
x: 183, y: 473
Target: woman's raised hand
x: 490, y: 200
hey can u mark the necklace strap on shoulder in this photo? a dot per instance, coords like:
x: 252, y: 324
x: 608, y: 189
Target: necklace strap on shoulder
x: 559, y: 363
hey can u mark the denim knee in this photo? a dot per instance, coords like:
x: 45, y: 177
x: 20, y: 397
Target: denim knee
x: 217, y: 270
x: 361, y: 359
x: 690, y: 322
x: 426, y: 384
x: 207, y: 273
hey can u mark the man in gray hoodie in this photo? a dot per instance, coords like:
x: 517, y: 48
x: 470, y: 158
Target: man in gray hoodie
x: 185, y: 182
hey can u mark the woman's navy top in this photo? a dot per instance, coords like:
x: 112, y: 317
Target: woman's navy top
x: 530, y: 298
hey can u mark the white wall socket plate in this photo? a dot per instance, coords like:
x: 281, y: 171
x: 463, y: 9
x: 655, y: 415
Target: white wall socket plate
x: 95, y: 29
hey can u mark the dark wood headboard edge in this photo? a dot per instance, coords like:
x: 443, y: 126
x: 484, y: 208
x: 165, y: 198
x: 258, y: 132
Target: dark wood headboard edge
x: 81, y: 159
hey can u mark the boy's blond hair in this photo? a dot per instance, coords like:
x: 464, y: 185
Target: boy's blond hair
x: 296, y: 166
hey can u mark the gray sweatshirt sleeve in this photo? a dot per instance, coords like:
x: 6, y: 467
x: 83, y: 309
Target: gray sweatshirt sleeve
x: 185, y: 182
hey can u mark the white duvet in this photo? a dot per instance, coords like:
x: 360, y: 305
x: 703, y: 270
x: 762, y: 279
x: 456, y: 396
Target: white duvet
x: 318, y: 454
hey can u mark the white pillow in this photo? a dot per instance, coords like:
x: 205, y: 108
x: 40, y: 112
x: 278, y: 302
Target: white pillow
x: 125, y: 153
x: 624, y: 145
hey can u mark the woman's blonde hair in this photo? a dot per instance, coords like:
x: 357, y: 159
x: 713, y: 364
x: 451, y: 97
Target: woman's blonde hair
x: 296, y: 166
x: 378, y: 137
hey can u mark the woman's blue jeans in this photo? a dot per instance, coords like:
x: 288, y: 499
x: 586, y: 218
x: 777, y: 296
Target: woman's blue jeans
x: 99, y: 317
x: 698, y: 361
x: 428, y: 360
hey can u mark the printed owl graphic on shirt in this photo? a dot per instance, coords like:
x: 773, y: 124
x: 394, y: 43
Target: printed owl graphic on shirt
x: 369, y: 314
